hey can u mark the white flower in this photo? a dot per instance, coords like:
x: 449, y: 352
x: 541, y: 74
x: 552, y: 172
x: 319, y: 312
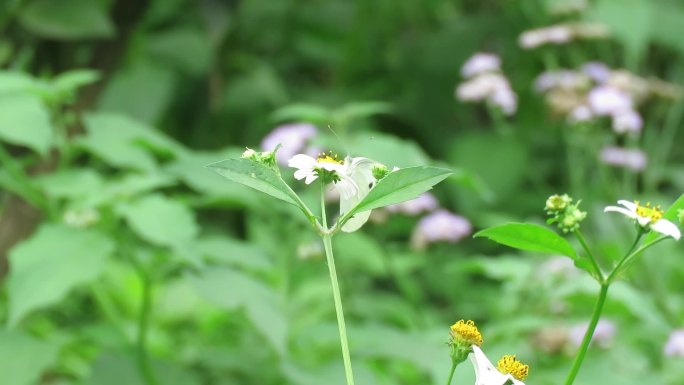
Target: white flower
x: 486, y: 373
x: 647, y: 216
x: 308, y: 167
x: 353, y: 178
x: 479, y: 64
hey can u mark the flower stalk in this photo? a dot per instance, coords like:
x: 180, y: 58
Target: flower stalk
x: 327, y: 244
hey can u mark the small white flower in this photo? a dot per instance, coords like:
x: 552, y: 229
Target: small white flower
x: 647, y: 216
x: 308, y: 167
x: 486, y: 373
x: 479, y: 64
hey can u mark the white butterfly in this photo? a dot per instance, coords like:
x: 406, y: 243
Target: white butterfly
x: 354, y: 189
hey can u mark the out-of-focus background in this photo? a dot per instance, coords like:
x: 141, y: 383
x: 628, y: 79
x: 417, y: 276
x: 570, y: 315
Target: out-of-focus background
x: 126, y: 261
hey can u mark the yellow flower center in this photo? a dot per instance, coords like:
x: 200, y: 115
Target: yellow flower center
x: 648, y: 211
x: 329, y: 158
x: 466, y: 330
x: 509, y: 364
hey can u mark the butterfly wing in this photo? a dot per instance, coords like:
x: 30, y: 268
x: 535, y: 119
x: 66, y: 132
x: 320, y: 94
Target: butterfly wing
x: 361, y: 172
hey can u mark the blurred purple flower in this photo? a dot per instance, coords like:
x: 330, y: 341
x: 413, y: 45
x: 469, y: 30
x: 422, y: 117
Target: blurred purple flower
x: 559, y: 265
x: 565, y: 79
x: 674, y: 347
x: 597, y: 71
x: 424, y: 202
x: 292, y: 138
x: 606, y: 100
x: 627, y: 121
x: 492, y: 87
x: 633, y: 159
x: 441, y: 225
x: 603, y: 337
x: 479, y: 64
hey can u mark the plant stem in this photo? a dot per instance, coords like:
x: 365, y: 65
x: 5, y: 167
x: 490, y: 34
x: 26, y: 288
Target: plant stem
x: 143, y: 323
x: 451, y: 374
x: 585, y: 246
x: 588, y: 334
x: 618, y: 267
x: 327, y: 243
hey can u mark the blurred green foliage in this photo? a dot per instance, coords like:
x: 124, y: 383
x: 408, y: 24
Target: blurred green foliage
x: 126, y: 261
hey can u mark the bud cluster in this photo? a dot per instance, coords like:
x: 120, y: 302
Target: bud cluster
x: 267, y: 158
x: 563, y: 212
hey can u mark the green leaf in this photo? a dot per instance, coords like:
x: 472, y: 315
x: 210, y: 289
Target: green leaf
x: 67, y: 19
x: 233, y: 251
x: 161, y: 220
x: 187, y: 49
x: 51, y: 263
x: 25, y: 121
x: 529, y: 237
x: 258, y: 177
x: 117, y: 368
x: 230, y: 289
x: 125, y: 143
x: 671, y: 215
x: 399, y: 186
x: 71, y: 183
x: 71, y: 81
x: 23, y: 359
x: 359, y: 110
x: 302, y: 112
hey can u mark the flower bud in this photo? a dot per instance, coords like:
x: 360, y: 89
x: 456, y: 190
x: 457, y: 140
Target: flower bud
x: 380, y: 171
x: 558, y: 202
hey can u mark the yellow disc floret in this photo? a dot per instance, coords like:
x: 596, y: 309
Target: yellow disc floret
x: 508, y: 364
x: 466, y: 331
x: 329, y: 158
x: 648, y: 211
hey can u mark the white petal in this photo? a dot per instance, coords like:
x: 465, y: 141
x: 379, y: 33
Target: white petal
x: 303, y: 173
x: 631, y: 206
x: 621, y: 210
x: 485, y: 372
x: 302, y: 161
x: 666, y: 227
x: 310, y: 178
x: 643, y: 221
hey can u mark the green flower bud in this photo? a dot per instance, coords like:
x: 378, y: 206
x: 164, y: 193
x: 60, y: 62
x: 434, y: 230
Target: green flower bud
x: 557, y: 203
x: 380, y: 171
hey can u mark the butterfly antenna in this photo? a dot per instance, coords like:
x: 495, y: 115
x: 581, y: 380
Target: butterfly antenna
x: 342, y: 143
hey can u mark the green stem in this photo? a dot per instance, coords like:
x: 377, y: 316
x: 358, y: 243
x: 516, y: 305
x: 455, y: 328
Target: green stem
x: 327, y: 243
x: 451, y: 374
x: 25, y: 187
x: 143, y: 324
x: 585, y: 246
x: 588, y: 334
x: 628, y: 258
x: 629, y: 253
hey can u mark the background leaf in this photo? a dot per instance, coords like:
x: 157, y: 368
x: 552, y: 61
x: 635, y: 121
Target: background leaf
x: 67, y: 19
x: 23, y: 359
x: 25, y: 121
x: 50, y: 264
x: 146, y: 215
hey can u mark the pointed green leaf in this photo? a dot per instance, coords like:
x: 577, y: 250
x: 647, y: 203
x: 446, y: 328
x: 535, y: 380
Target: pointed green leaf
x: 399, y: 186
x: 52, y: 262
x: 23, y: 358
x: 25, y: 121
x: 258, y: 177
x: 529, y: 237
x: 161, y: 220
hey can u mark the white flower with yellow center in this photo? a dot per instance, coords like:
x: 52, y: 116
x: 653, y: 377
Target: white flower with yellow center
x: 352, y: 178
x: 510, y: 370
x: 309, y: 168
x: 647, y: 217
